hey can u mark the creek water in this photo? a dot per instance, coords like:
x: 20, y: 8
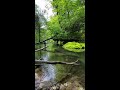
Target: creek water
x: 56, y: 72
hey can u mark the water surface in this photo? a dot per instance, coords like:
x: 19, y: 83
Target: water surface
x: 57, y: 72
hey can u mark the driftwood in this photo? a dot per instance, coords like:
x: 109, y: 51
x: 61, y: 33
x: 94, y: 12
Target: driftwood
x: 41, y: 48
x: 43, y: 41
x: 39, y: 62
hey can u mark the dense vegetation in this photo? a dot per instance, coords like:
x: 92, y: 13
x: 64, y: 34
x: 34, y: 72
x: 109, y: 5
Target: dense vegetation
x: 67, y: 24
x: 68, y: 21
x: 40, y: 21
x: 66, y: 27
x: 74, y: 46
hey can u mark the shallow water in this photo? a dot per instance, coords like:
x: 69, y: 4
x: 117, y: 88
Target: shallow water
x: 57, y: 72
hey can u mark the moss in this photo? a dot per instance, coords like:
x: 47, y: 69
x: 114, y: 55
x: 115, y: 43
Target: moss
x: 74, y: 46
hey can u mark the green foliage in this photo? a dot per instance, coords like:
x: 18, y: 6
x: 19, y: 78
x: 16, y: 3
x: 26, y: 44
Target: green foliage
x: 67, y: 23
x: 74, y: 46
x: 39, y: 18
x: 69, y: 19
x: 53, y: 25
x: 39, y: 22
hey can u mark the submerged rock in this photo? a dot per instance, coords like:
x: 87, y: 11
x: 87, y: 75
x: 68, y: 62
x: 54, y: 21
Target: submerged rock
x: 71, y: 84
x: 62, y: 87
x: 45, y: 85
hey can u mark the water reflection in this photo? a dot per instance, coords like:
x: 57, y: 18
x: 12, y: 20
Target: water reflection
x: 59, y: 71
x: 49, y: 70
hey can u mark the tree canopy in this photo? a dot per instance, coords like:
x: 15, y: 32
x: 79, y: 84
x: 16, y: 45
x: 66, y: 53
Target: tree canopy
x: 69, y: 19
x: 39, y: 18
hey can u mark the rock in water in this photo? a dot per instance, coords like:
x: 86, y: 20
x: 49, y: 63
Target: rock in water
x: 36, y: 76
x: 62, y: 87
x: 45, y: 84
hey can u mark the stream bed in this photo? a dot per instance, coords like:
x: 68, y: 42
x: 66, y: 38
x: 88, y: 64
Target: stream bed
x: 54, y: 73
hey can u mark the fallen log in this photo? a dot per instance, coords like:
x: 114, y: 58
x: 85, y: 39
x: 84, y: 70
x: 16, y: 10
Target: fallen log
x: 41, y: 48
x: 39, y: 62
x: 43, y: 41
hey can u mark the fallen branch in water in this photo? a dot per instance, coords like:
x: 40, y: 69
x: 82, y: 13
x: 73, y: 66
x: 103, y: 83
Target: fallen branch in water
x: 39, y: 62
x: 41, y: 49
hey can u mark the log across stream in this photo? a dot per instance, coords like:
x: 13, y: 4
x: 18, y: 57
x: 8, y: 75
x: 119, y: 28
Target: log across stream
x: 39, y: 62
x: 61, y: 66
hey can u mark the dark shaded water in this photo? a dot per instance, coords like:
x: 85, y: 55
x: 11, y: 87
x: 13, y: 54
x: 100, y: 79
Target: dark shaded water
x: 58, y: 72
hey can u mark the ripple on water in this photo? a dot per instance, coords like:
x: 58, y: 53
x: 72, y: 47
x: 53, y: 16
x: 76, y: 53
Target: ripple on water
x: 51, y: 72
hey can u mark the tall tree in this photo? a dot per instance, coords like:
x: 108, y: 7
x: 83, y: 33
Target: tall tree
x: 39, y: 18
x: 71, y: 16
x: 39, y: 21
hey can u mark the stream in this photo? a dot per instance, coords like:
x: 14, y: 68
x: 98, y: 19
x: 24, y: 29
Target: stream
x: 56, y: 72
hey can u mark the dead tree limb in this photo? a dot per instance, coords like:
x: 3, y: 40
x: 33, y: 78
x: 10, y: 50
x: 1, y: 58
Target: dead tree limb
x: 39, y: 62
x: 41, y: 48
x: 43, y: 41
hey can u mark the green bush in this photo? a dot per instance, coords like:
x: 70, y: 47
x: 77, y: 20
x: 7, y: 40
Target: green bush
x: 74, y: 46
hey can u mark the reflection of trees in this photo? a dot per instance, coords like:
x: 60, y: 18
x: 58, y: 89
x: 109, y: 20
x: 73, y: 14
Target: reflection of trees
x: 64, y: 70
x: 61, y: 71
x: 80, y: 72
